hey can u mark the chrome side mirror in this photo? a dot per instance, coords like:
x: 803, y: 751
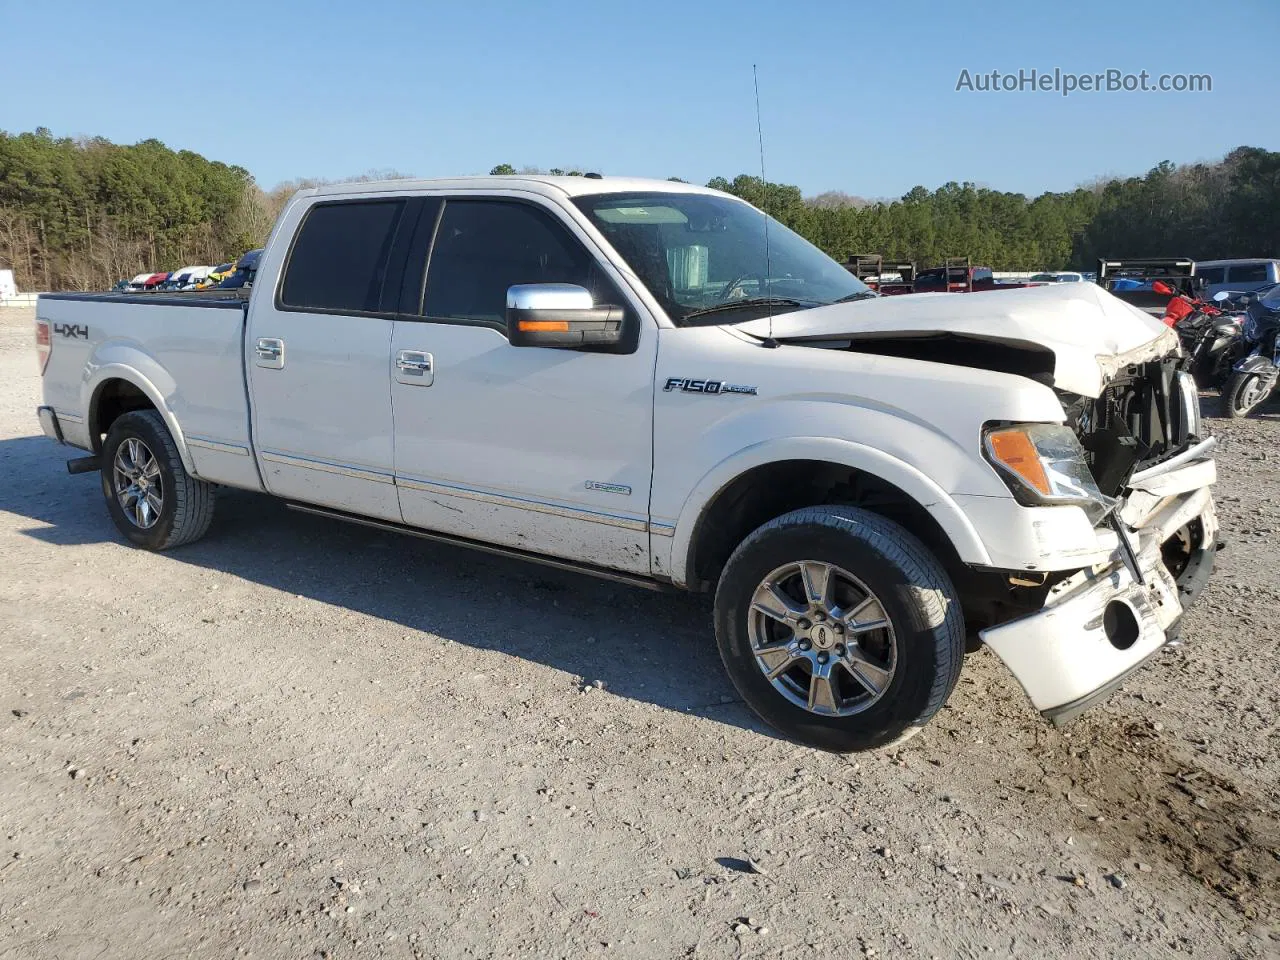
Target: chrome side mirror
x: 560, y: 315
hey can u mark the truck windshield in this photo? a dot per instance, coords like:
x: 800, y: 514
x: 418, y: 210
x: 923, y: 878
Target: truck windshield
x: 703, y: 257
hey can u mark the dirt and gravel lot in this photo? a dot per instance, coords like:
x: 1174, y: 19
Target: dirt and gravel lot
x: 298, y: 738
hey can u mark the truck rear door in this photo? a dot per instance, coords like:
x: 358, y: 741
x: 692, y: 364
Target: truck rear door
x: 318, y: 354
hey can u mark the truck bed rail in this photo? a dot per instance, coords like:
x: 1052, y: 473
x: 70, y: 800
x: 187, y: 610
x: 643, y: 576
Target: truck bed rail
x: 218, y: 299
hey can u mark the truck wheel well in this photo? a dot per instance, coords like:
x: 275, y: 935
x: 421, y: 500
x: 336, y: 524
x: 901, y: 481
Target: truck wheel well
x: 114, y: 399
x: 770, y: 490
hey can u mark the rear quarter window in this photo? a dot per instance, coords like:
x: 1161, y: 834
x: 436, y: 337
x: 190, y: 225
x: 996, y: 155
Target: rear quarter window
x: 339, y: 259
x: 1211, y: 274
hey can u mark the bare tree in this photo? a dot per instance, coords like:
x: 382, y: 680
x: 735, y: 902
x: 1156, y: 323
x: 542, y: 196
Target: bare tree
x: 9, y: 220
x: 115, y: 254
x: 76, y: 271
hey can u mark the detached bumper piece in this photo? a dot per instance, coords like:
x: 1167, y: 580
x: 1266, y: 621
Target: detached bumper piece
x: 1099, y: 625
x: 1094, y: 631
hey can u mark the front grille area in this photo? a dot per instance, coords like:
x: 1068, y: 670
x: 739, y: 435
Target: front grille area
x: 1143, y: 417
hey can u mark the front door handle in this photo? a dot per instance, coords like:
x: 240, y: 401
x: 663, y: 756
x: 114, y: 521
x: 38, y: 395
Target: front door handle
x: 415, y: 368
x: 269, y: 353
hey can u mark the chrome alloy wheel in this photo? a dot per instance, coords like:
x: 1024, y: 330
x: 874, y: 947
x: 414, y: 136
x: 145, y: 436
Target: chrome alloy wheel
x: 822, y: 638
x: 138, y: 486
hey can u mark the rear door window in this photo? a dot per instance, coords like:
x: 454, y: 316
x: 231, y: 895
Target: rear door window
x: 339, y: 260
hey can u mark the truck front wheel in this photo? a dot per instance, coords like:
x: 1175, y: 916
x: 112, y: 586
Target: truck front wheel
x: 839, y: 628
x: 152, y: 499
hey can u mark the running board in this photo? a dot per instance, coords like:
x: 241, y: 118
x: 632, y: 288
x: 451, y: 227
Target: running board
x: 630, y: 579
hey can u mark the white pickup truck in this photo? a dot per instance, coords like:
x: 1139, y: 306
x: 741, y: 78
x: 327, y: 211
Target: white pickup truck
x: 654, y: 382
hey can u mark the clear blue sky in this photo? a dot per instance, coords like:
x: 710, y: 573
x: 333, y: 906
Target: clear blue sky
x: 855, y: 96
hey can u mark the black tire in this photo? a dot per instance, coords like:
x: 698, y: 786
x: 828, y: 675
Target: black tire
x: 186, y: 504
x: 1233, y: 404
x: 917, y: 599
x: 1191, y: 575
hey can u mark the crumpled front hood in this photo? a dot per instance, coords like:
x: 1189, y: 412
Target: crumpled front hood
x: 1090, y: 333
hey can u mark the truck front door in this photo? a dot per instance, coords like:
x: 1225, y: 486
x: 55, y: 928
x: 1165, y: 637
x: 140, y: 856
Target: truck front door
x: 318, y: 356
x: 544, y: 450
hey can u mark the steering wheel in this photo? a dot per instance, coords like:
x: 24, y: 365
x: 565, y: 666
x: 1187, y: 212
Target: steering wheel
x: 727, y: 294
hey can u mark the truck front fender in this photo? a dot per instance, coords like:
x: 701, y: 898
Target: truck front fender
x: 114, y: 360
x: 911, y: 481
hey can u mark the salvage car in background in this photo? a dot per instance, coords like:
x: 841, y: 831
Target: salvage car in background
x: 245, y: 270
x: 1061, y: 276
x: 1151, y: 283
x: 1238, y: 275
x: 957, y: 275
x: 890, y: 278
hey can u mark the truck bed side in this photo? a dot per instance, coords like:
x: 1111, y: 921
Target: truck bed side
x: 184, y: 355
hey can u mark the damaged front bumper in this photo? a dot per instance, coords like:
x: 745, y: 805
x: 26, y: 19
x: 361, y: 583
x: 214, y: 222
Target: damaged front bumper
x: 1099, y: 625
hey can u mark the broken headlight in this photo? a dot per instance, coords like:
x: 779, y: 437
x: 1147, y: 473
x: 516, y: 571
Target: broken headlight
x: 1043, y: 465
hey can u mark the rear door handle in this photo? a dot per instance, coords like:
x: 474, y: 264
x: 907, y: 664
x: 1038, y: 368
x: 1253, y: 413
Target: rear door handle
x: 415, y: 368
x: 269, y: 353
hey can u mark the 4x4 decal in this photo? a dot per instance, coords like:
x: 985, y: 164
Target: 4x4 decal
x: 74, y: 331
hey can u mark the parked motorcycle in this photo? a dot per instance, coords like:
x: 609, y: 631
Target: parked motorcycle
x: 1254, y: 377
x: 1211, y: 340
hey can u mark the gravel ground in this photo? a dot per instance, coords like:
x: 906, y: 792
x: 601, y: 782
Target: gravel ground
x: 298, y: 738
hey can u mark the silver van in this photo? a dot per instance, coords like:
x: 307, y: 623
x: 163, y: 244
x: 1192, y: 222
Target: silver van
x: 1242, y: 275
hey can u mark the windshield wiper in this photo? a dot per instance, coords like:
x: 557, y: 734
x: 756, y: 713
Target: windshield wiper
x: 859, y: 295
x: 750, y: 302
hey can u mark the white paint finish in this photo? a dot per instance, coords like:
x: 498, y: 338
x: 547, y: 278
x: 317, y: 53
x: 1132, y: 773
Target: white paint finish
x: 1091, y: 332
x: 186, y: 360
x: 225, y: 466
x: 217, y: 446
x: 916, y: 425
x: 1062, y: 653
x: 526, y: 423
x: 1193, y: 476
x: 556, y: 189
x: 329, y: 402
x: 1036, y: 538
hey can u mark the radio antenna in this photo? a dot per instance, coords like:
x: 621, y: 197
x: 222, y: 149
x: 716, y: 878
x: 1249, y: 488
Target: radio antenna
x: 768, y: 260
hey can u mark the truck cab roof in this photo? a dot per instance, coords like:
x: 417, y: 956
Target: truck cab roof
x: 546, y: 185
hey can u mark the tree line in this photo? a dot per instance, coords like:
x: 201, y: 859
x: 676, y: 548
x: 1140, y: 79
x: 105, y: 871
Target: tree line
x: 1230, y: 208
x: 82, y: 213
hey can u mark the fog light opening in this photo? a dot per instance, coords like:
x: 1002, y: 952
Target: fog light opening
x: 1120, y: 621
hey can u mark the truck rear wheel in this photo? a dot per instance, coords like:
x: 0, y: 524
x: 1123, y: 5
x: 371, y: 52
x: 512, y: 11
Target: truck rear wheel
x: 839, y: 628
x: 152, y: 499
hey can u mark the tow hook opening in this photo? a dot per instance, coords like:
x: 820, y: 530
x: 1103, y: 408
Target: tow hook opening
x: 1120, y: 622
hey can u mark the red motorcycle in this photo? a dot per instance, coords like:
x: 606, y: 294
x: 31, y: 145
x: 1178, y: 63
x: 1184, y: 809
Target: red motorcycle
x: 1210, y: 335
x: 1181, y: 305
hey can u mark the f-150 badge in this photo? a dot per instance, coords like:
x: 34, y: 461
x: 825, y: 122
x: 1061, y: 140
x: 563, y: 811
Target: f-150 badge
x: 685, y: 385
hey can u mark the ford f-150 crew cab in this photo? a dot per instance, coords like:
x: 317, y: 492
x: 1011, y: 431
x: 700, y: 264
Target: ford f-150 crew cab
x: 638, y: 379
